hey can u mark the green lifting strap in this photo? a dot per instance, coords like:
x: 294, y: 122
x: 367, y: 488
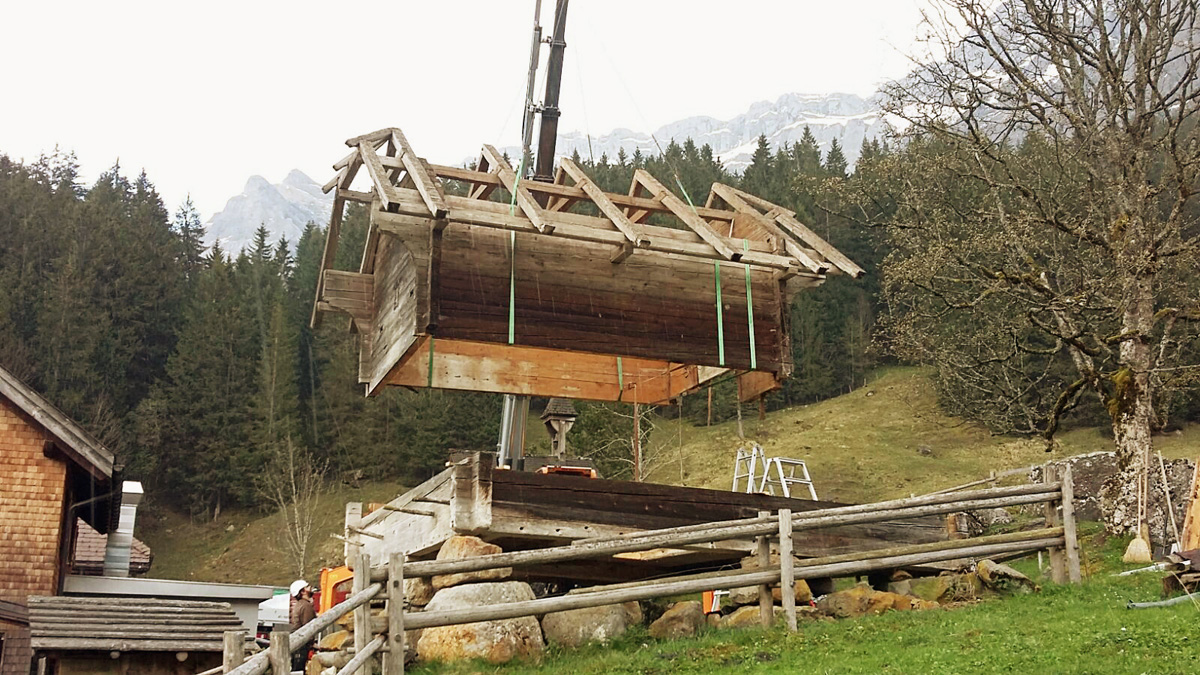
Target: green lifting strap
x: 620, y: 379
x: 750, y: 309
x: 430, y: 382
x: 512, y: 270
x: 717, y: 276
x: 512, y: 289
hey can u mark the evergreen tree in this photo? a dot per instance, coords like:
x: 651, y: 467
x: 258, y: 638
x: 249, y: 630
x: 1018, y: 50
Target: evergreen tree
x: 835, y: 160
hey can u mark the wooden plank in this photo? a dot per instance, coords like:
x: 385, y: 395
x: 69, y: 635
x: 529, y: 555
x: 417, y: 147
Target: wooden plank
x: 819, y: 245
x: 766, y: 605
x: 399, y: 305
x: 393, y: 662
x: 427, y: 185
x: 632, y: 232
x: 1058, y: 569
x: 1191, y: 521
x: 787, y: 573
x: 477, y: 366
x: 351, y: 293
x: 1070, y: 537
x: 525, y: 201
x: 362, y: 613
x: 576, y: 226
x: 362, y: 656
x: 471, y: 495
x: 734, y: 199
x: 233, y: 650
x: 685, y: 214
x: 279, y: 652
x: 572, y: 192
x: 755, y: 384
x: 384, y: 191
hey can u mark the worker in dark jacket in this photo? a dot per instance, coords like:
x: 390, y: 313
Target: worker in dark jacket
x: 301, y: 612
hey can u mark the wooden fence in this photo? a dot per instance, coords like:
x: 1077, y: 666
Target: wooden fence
x: 387, y: 580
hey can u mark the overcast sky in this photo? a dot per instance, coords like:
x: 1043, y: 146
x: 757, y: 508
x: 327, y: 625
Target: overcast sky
x: 202, y: 95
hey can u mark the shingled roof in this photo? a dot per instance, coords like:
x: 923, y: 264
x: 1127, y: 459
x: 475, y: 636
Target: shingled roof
x: 561, y: 407
x: 71, y: 439
x: 90, y: 547
x: 59, y: 623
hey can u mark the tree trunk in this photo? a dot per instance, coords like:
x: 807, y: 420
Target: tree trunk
x: 1132, y: 409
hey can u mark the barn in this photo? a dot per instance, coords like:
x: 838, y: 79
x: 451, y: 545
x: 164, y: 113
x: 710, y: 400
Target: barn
x: 54, y: 473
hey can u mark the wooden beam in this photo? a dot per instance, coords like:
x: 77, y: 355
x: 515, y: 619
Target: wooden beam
x: 379, y: 177
x: 534, y: 371
x: 327, y: 257
x: 685, y: 214
x: 633, y: 233
x: 351, y: 293
x: 735, y: 200
x: 576, y: 226
x: 430, y: 189
x: 525, y: 201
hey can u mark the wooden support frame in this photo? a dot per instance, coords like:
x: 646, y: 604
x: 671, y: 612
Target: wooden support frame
x: 632, y: 232
x: 734, y: 199
x: 685, y: 214
x: 431, y: 191
x: 478, y: 366
x: 787, y: 571
x: 766, y: 604
x: 525, y: 201
x: 393, y: 662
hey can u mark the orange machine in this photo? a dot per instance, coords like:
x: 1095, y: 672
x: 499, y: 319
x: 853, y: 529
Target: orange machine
x: 335, y: 587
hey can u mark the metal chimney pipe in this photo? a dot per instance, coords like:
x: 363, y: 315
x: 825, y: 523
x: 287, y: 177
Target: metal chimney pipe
x: 120, y: 540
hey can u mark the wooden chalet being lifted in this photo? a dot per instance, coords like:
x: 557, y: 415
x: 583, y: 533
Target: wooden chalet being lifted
x: 535, y: 296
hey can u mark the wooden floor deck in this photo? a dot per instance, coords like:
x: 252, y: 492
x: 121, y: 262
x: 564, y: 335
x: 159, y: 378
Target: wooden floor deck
x: 520, y: 511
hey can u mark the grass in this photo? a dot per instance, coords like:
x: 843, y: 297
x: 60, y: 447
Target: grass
x: 1062, y: 629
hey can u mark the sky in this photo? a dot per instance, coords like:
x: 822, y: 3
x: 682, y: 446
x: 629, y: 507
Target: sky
x: 203, y: 95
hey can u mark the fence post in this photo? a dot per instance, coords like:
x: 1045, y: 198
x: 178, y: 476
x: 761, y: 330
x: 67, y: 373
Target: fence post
x: 1058, y: 568
x: 393, y: 660
x: 233, y: 651
x: 766, y: 604
x: 279, y: 653
x: 1070, y: 538
x: 362, y: 614
x: 787, y: 570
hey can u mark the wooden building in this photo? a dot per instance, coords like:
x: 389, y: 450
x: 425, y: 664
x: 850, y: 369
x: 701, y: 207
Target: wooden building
x: 519, y: 510
x: 124, y: 636
x: 53, y: 472
x: 563, y: 289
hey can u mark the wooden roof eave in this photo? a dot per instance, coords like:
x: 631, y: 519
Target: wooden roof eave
x: 72, y: 439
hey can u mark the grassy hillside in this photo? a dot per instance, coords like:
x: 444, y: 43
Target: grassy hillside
x: 863, y: 446
x: 859, y: 447
x: 242, y: 546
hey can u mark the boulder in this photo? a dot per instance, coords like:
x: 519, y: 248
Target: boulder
x: 576, y: 627
x: 802, y: 594
x: 743, y: 595
x: 746, y: 617
x: 459, y: 547
x: 862, y: 599
x: 634, y: 616
x: 943, y: 588
x: 418, y: 592
x: 1004, y: 579
x: 494, y: 641
x: 683, y: 619
x: 334, y: 641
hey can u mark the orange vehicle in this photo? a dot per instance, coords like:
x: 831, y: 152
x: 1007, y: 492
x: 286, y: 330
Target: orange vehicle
x: 335, y: 586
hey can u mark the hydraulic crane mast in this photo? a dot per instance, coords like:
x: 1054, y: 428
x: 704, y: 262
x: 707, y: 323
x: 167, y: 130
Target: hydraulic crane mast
x: 516, y: 408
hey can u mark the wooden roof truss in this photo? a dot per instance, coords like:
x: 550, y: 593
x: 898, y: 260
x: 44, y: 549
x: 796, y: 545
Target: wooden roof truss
x: 406, y: 192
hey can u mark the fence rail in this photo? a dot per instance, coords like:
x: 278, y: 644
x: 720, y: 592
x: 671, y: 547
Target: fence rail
x: 372, y: 581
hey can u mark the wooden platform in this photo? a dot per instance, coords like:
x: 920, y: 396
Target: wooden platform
x: 563, y: 289
x: 520, y: 511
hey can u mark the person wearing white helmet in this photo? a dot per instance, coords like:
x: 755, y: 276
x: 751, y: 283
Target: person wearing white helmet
x: 301, y: 613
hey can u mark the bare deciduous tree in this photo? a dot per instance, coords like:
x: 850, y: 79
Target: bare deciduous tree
x: 291, y: 482
x: 1044, y: 211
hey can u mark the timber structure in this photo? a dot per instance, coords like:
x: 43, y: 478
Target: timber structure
x: 525, y: 511
x: 476, y: 279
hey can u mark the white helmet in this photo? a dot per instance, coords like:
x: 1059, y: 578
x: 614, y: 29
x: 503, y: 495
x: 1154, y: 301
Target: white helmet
x: 297, y: 586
